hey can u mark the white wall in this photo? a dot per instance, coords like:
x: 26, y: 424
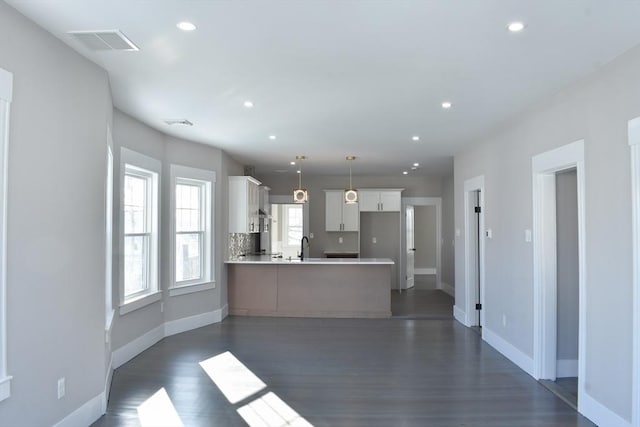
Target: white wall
x: 56, y: 246
x: 447, y: 261
x: 596, y: 110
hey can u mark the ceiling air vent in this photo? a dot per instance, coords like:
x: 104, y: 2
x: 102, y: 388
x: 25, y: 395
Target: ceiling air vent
x: 183, y: 122
x: 104, y: 40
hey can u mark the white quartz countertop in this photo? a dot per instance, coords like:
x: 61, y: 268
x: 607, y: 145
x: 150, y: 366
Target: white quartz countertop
x: 267, y: 259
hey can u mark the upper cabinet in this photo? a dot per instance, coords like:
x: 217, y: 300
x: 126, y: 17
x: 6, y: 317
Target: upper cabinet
x: 244, y: 204
x: 340, y: 216
x: 380, y: 200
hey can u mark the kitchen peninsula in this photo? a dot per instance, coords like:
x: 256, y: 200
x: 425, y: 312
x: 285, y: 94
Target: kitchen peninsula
x: 314, y: 287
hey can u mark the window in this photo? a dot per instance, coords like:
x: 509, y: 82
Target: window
x: 192, y: 252
x: 140, y: 234
x: 6, y: 86
x: 294, y: 224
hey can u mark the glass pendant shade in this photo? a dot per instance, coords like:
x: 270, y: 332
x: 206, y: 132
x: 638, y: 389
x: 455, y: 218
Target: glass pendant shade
x: 350, y: 195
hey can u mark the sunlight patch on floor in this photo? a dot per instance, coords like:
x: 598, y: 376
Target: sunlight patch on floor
x: 233, y: 379
x: 158, y: 411
x: 271, y: 411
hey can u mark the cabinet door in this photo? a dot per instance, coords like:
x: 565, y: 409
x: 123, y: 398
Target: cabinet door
x: 390, y: 201
x: 368, y: 200
x: 254, y: 202
x: 350, y: 217
x: 333, y: 210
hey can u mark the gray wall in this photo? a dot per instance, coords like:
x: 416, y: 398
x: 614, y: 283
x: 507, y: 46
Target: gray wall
x: 596, y: 110
x: 136, y: 136
x: 385, y: 227
x: 447, y: 256
x: 425, y: 236
x: 567, y: 254
x: 56, y: 216
x: 283, y: 184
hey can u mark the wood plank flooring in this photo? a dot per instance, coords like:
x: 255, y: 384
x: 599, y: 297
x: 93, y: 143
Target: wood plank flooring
x: 421, y: 304
x: 342, y: 372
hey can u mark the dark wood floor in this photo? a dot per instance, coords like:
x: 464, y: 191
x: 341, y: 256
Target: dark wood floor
x: 341, y: 372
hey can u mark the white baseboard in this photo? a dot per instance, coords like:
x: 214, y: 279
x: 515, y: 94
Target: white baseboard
x: 566, y: 368
x: 225, y: 312
x: 85, y: 415
x: 194, y: 322
x: 421, y: 271
x: 459, y: 315
x: 107, y: 384
x: 523, y: 361
x: 447, y: 288
x: 598, y: 413
x: 130, y: 350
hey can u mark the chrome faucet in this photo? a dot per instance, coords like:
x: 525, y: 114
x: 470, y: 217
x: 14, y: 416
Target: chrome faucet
x: 302, y: 246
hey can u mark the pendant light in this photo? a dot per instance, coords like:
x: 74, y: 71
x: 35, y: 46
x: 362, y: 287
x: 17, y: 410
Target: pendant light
x: 300, y: 195
x: 350, y: 195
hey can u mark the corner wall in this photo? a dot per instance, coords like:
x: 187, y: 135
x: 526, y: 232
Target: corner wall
x: 596, y: 110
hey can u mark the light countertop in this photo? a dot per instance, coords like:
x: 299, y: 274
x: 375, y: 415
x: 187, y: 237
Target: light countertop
x: 267, y: 259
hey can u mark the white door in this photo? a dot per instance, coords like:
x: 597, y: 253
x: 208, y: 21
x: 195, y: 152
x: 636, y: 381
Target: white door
x: 410, y: 224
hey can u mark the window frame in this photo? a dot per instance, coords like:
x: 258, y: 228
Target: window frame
x: 206, y: 179
x: 6, y: 96
x: 136, y: 164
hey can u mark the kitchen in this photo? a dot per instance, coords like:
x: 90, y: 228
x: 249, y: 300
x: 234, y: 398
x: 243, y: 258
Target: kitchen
x: 368, y: 235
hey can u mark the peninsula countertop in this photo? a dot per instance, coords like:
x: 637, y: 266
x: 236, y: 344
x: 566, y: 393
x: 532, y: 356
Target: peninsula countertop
x: 268, y: 259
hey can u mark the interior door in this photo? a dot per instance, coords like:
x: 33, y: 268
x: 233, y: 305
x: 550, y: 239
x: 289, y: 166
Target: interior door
x: 410, y: 225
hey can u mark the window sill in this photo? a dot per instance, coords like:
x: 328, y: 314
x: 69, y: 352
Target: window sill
x: 5, y: 387
x: 191, y: 288
x: 139, y: 302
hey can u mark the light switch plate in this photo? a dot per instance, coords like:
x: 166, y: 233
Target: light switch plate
x: 527, y: 235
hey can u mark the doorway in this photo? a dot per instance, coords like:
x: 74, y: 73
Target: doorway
x: 474, y: 251
x: 286, y: 229
x: 559, y: 280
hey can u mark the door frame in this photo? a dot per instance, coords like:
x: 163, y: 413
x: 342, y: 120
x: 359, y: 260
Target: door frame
x: 634, y: 145
x: 544, y: 167
x: 421, y: 201
x: 471, y: 185
x: 409, y: 208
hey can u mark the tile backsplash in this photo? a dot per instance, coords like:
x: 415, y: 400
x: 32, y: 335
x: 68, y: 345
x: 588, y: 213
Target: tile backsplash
x: 242, y: 243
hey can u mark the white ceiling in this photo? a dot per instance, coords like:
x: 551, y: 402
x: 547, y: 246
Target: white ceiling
x: 332, y: 78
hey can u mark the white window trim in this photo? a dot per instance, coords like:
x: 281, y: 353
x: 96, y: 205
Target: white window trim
x: 179, y: 172
x: 154, y: 293
x: 6, y: 88
x: 108, y: 279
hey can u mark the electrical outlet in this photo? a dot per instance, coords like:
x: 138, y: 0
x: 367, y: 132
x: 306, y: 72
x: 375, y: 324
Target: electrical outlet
x: 61, y: 387
x: 161, y: 306
x: 311, y: 235
x: 340, y: 240
x: 374, y: 240
x: 504, y: 320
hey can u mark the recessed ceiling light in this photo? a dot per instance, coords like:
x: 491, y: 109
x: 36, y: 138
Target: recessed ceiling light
x: 446, y: 105
x: 272, y: 137
x: 292, y: 163
x: 248, y: 104
x: 186, y: 26
x: 415, y: 138
x: 415, y: 165
x: 516, y: 27
x: 405, y: 173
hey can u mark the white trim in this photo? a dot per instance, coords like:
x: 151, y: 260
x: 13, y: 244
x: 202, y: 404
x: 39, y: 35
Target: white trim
x: 425, y: 271
x: 6, y: 85
x: 6, y: 88
x: 107, y: 384
x: 420, y: 201
x: 139, y: 302
x: 566, y: 368
x: 85, y: 415
x: 459, y: 315
x: 193, y: 322
x: 634, y: 143
x: 448, y: 289
x: 133, y: 348
x: 108, y: 235
x: 191, y: 288
x: 470, y: 185
x: 512, y: 353
x: 544, y: 166
x: 598, y: 413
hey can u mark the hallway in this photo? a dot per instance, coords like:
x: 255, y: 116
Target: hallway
x: 339, y: 372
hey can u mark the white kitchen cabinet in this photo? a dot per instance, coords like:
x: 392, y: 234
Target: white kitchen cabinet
x: 340, y: 216
x: 380, y: 200
x: 244, y: 198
